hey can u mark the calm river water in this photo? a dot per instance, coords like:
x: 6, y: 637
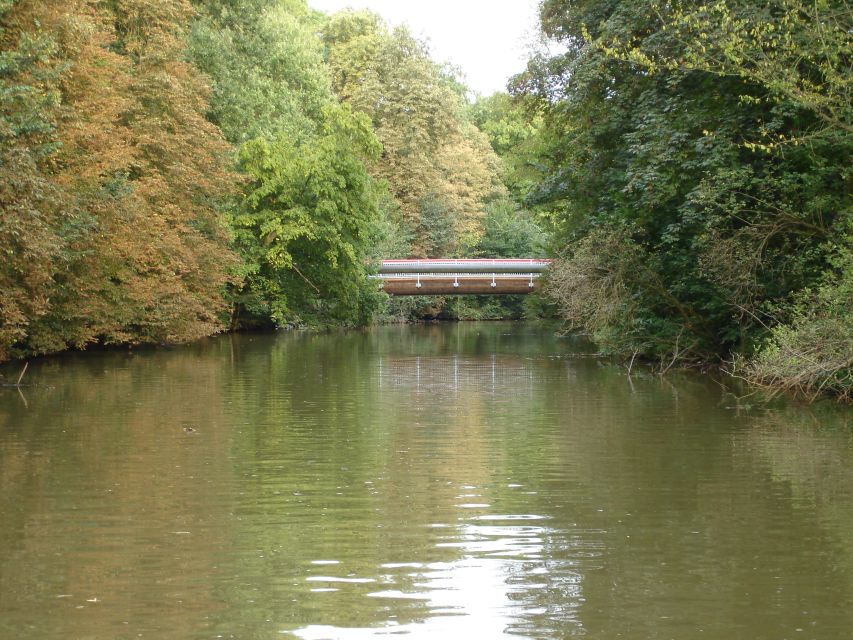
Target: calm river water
x: 450, y: 481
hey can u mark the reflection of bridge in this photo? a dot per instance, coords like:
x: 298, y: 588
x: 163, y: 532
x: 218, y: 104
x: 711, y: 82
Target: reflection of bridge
x: 441, y: 374
x: 498, y: 276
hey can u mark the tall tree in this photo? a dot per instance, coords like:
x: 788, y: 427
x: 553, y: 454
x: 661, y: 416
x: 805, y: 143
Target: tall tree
x: 31, y: 243
x: 308, y: 219
x: 266, y: 63
x: 140, y: 252
x: 432, y: 158
x: 306, y: 222
x: 513, y: 126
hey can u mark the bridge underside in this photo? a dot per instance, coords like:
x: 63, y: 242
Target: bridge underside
x: 450, y: 286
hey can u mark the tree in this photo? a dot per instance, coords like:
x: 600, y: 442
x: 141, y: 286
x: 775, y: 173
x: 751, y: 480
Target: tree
x: 510, y: 232
x: 305, y: 221
x: 133, y: 248
x: 308, y: 217
x: 164, y: 262
x: 266, y: 63
x: 812, y: 354
x: 431, y: 157
x: 30, y: 215
x: 513, y: 127
x: 797, y: 51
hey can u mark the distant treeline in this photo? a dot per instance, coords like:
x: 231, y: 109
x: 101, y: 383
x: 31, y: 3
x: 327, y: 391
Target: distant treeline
x: 171, y: 169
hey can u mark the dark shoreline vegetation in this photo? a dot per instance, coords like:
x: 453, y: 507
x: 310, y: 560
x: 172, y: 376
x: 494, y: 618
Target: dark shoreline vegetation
x: 174, y: 169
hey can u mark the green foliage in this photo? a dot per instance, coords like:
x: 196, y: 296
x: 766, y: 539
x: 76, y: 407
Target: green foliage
x: 311, y: 216
x: 693, y: 184
x: 606, y: 284
x: 473, y: 308
x: 438, y: 167
x: 305, y: 221
x: 514, y: 129
x: 796, y: 50
x: 510, y: 232
x: 391, y: 237
x: 267, y: 66
x: 812, y: 354
x: 437, y: 216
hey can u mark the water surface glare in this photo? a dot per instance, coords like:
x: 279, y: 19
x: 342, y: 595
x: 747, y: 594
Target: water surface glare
x: 447, y: 481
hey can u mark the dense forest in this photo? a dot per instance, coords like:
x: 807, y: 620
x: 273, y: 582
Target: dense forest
x: 698, y: 181
x: 173, y: 169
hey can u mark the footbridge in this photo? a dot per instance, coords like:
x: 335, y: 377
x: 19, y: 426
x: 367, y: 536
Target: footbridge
x: 489, y: 276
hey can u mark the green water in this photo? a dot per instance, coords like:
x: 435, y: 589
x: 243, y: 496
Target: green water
x: 454, y: 481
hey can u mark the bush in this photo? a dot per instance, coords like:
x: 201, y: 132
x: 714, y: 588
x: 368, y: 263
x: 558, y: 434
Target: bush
x: 812, y: 355
x: 605, y: 286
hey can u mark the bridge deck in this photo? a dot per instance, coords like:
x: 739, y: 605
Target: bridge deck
x: 498, y: 276
x: 458, y: 285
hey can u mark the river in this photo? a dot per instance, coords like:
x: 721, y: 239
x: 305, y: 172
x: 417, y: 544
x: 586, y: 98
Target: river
x: 441, y: 481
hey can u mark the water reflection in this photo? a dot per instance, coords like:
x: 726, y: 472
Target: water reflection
x: 490, y: 591
x: 473, y: 480
x: 491, y: 374
x: 492, y: 562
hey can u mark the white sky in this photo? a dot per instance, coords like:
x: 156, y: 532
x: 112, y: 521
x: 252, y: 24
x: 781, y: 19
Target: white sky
x: 486, y: 38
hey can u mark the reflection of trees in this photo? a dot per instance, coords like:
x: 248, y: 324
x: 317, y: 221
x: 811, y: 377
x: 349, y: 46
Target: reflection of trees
x: 312, y: 465
x: 808, y: 457
x: 693, y: 534
x: 544, y: 487
x: 104, y: 480
x: 390, y: 470
x: 478, y: 402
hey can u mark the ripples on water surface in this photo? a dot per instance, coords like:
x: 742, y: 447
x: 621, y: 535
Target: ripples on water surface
x: 456, y: 481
